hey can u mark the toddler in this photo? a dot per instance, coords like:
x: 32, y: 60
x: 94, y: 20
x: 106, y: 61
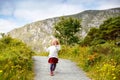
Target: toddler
x: 53, y: 55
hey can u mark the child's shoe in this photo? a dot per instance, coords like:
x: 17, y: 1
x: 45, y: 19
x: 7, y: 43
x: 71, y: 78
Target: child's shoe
x: 51, y: 73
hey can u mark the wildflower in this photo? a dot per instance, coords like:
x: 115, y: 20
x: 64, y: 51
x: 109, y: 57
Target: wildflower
x: 97, y: 67
x: 12, y: 67
x: 113, y: 74
x: 1, y: 71
x: 113, y: 66
x: 114, y: 77
x: 111, y: 59
x: 113, y: 69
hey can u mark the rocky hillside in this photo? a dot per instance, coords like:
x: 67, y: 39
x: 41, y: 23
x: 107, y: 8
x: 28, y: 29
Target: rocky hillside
x: 38, y: 34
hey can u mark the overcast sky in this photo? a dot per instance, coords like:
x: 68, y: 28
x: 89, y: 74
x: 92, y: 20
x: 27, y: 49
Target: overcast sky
x: 17, y: 13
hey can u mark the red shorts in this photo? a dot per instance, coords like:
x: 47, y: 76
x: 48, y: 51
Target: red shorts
x: 53, y: 60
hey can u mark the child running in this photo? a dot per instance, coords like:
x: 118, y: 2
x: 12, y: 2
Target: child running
x: 53, y: 55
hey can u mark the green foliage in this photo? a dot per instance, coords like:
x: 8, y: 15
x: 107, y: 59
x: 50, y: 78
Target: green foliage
x: 105, y: 49
x: 2, y: 34
x: 15, y: 60
x: 66, y: 30
x: 99, y: 60
x: 90, y: 36
x: 109, y: 30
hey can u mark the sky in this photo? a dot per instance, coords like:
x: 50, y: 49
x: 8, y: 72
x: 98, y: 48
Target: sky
x: 17, y: 13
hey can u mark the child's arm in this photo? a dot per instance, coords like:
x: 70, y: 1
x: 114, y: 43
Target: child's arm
x: 59, y: 47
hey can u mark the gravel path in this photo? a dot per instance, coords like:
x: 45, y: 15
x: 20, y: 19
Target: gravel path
x: 65, y: 70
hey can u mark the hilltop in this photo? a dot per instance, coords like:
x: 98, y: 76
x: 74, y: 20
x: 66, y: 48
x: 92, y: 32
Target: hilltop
x: 38, y: 34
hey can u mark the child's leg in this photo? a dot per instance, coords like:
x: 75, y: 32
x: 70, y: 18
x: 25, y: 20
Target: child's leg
x: 54, y: 67
x: 51, y: 69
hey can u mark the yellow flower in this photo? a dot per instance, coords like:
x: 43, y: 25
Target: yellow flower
x: 111, y: 59
x: 1, y: 71
x: 113, y: 69
x: 97, y: 67
x: 12, y: 66
x: 113, y: 66
x: 114, y: 77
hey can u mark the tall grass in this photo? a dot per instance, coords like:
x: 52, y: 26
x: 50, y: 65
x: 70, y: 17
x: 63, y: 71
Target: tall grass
x: 15, y: 60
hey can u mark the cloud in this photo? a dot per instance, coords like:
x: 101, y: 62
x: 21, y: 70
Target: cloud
x: 6, y: 25
x: 26, y: 11
x: 32, y: 10
x: 43, y: 10
x: 108, y: 4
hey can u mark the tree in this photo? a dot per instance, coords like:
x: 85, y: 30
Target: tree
x: 91, y: 36
x: 2, y: 34
x: 66, y: 29
x: 109, y: 30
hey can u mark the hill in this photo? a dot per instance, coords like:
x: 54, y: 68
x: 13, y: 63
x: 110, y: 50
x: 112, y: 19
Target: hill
x: 38, y: 34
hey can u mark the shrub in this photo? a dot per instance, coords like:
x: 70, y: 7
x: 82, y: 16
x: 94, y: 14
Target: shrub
x: 106, y: 48
x: 15, y: 60
x: 101, y: 62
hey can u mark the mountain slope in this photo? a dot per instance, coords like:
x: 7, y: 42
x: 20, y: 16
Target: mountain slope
x: 38, y: 34
x: 93, y: 18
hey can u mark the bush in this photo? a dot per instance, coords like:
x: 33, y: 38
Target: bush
x: 15, y: 60
x: 106, y: 48
x: 100, y: 60
x: 108, y: 66
x: 99, y: 41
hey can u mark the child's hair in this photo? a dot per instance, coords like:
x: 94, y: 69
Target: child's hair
x: 55, y: 42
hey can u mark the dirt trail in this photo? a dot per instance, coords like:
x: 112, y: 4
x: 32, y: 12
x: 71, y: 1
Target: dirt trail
x: 65, y: 70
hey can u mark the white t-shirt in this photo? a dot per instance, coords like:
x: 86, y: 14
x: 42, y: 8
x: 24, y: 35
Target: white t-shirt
x: 53, y: 50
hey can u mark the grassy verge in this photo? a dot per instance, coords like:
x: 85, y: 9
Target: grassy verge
x: 101, y: 62
x: 15, y: 60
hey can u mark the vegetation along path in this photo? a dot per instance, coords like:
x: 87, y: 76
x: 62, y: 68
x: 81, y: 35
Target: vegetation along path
x: 65, y: 70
